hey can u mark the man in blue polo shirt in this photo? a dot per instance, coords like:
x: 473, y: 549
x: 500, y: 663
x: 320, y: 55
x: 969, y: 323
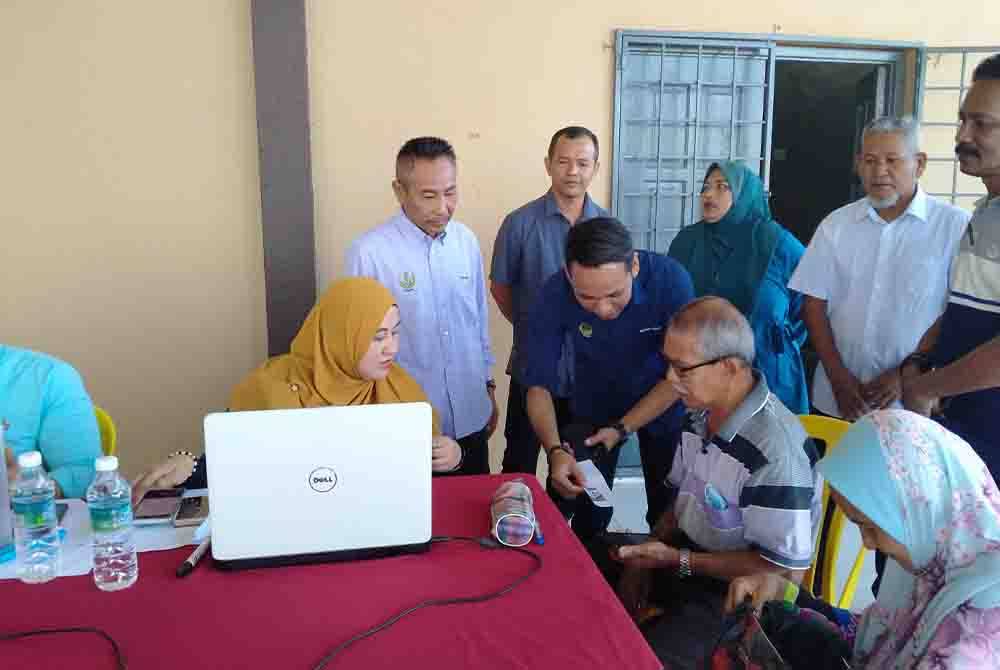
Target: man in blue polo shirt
x: 528, y: 250
x: 613, y: 303
x: 963, y: 346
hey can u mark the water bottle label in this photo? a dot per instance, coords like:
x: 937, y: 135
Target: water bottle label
x: 35, y: 514
x: 106, y: 519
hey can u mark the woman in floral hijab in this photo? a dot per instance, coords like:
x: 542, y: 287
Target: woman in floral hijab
x: 920, y: 494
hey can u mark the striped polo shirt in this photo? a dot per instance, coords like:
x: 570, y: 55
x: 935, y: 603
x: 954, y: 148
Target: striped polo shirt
x: 972, y: 318
x: 750, y: 486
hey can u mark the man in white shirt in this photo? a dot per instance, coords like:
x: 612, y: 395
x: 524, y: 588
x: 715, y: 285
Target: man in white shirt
x: 875, y: 275
x: 434, y: 268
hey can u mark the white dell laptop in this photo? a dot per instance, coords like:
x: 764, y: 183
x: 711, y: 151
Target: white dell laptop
x: 330, y: 483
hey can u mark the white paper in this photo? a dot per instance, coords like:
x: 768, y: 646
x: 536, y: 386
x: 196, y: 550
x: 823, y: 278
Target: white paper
x: 594, y: 484
x: 77, y: 550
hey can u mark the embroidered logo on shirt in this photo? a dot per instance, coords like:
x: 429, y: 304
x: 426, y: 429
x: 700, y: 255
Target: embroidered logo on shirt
x: 586, y: 329
x: 651, y: 330
x: 407, y: 281
x: 714, y: 499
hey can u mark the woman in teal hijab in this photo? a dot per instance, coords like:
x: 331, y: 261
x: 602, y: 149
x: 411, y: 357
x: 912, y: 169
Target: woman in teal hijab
x: 738, y: 252
x: 921, y: 495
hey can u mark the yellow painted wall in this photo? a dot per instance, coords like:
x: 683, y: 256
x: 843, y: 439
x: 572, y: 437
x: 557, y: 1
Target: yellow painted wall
x: 498, y: 78
x: 129, y: 205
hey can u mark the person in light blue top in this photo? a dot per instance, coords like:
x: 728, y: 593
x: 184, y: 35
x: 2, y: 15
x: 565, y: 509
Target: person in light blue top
x: 45, y: 407
x: 738, y: 252
x: 433, y: 266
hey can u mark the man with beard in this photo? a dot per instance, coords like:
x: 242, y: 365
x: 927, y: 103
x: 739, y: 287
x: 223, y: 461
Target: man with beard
x: 875, y: 275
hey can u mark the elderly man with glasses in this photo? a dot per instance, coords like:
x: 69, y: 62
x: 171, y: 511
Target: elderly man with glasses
x: 742, y: 485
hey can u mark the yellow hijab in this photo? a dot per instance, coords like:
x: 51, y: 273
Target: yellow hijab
x: 322, y: 367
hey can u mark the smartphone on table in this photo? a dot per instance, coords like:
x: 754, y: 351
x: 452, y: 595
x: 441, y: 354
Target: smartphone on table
x: 192, y: 511
x: 158, y: 506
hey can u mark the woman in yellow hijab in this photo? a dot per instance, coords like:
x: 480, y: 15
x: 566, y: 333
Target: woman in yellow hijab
x: 344, y: 354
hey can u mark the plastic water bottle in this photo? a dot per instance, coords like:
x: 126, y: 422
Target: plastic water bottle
x: 36, y: 528
x: 109, y: 498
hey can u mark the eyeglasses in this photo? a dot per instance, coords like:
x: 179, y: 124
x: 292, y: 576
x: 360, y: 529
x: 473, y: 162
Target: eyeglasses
x: 683, y: 371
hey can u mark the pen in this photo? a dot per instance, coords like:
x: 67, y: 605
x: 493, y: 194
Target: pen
x: 185, y: 568
x: 539, y: 538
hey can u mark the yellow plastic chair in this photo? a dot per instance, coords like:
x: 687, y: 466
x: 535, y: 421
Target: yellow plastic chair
x: 830, y: 431
x: 109, y: 434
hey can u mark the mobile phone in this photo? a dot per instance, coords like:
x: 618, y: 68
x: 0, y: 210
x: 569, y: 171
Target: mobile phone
x: 619, y: 539
x: 158, y: 506
x: 192, y: 511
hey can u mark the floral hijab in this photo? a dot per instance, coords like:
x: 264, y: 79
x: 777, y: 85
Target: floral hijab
x: 930, y: 492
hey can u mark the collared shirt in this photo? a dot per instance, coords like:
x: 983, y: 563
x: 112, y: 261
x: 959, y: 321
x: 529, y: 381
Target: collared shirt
x: 750, y: 486
x: 530, y: 248
x: 884, y: 283
x: 616, y: 362
x: 45, y: 407
x: 440, y: 288
x: 972, y: 318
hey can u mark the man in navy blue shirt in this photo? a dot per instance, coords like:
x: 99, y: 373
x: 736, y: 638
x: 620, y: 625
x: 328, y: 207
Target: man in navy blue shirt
x: 614, y: 303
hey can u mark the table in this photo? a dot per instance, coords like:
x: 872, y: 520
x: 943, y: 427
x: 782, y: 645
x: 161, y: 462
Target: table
x: 565, y: 616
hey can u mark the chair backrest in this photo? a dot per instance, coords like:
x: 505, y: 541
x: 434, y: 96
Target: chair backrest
x: 830, y: 431
x: 109, y: 434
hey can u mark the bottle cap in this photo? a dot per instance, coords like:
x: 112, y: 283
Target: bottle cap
x: 106, y: 464
x: 30, y: 459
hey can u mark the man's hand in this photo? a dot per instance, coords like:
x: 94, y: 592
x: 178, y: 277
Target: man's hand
x: 566, y: 476
x: 491, y: 427
x: 446, y: 454
x: 884, y: 390
x: 607, y: 437
x: 762, y: 587
x: 649, y: 555
x: 849, y: 395
x: 914, y: 401
x: 633, y: 589
x: 665, y: 526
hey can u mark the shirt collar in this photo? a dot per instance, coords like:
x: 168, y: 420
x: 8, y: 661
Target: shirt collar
x: 916, y: 209
x: 753, y: 403
x: 413, y: 232
x: 589, y: 210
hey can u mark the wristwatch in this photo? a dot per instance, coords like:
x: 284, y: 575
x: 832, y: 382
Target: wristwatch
x: 559, y: 447
x: 684, y: 564
x: 625, y: 434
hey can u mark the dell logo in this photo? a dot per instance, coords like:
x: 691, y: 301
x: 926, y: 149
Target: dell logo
x: 322, y: 480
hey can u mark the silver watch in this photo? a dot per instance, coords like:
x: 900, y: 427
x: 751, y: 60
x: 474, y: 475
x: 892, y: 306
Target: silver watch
x: 684, y: 566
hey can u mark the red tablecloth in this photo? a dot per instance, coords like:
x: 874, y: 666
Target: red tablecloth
x: 563, y: 617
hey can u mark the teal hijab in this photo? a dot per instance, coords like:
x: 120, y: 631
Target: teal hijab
x: 930, y: 492
x: 729, y: 258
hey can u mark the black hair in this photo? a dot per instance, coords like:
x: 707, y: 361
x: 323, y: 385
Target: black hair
x: 599, y: 241
x: 988, y: 69
x: 423, y: 148
x: 572, y: 133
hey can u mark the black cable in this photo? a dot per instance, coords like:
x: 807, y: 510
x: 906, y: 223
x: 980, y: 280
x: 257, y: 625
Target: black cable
x: 119, y: 657
x: 486, y: 542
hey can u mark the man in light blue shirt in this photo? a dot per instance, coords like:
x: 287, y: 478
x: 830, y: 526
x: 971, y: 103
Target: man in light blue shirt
x: 530, y: 248
x: 44, y: 407
x: 433, y: 266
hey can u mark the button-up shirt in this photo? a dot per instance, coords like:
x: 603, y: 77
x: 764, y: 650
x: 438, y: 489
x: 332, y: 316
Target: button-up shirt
x: 884, y: 283
x: 530, y: 248
x: 616, y: 362
x: 440, y: 287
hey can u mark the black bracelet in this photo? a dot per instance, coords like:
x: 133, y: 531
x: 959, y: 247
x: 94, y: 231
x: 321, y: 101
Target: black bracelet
x: 559, y: 447
x: 920, y: 359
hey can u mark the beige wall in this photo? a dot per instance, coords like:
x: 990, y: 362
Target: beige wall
x: 498, y: 78
x: 130, y: 205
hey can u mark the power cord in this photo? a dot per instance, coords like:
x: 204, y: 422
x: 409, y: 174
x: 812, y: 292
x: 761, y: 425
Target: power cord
x: 119, y: 658
x: 485, y: 542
